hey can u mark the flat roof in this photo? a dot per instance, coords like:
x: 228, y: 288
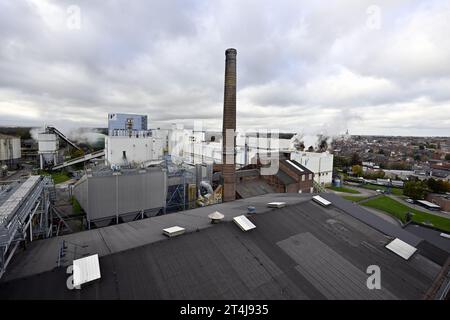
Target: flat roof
x: 301, y: 251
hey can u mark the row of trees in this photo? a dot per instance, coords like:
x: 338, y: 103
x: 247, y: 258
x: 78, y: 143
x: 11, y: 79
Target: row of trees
x: 416, y: 189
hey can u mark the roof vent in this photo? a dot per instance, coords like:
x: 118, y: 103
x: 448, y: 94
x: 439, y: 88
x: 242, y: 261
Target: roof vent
x: 251, y: 210
x: 173, y: 231
x: 321, y: 201
x: 401, y: 248
x: 85, y: 270
x: 276, y: 204
x: 244, y: 223
x: 216, y: 217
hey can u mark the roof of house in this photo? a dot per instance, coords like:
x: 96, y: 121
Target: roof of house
x: 440, y: 173
x: 301, y: 251
x: 284, y: 177
x: 252, y: 188
x: 295, y: 166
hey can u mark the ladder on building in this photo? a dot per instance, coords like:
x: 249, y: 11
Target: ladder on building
x: 318, y: 188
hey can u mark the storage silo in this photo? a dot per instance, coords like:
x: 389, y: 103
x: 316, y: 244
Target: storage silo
x: 10, y: 151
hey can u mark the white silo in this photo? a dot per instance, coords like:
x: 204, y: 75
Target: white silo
x: 10, y: 151
x: 48, y: 148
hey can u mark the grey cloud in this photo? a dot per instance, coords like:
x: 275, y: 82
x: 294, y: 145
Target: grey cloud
x: 301, y: 66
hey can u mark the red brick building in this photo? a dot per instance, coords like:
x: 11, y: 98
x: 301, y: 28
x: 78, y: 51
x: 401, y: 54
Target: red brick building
x: 291, y: 177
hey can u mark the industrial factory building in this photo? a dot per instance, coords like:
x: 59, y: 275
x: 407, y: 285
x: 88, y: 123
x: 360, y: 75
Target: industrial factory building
x: 236, y: 231
x: 291, y: 177
x: 125, y: 148
x: 10, y: 151
x: 320, y: 163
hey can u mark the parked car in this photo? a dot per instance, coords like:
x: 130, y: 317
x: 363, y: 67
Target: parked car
x: 409, y: 200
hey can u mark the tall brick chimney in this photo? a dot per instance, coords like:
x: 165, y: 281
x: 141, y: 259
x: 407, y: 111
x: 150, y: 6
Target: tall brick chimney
x: 229, y: 123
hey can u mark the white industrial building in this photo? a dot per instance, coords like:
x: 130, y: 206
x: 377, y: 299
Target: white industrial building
x: 133, y: 148
x: 319, y: 163
x: 10, y: 150
x: 206, y: 147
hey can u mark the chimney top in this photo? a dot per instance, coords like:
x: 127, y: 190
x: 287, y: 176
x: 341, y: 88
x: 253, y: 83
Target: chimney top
x: 230, y: 51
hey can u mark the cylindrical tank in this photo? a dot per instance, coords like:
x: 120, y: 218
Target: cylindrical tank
x: 10, y: 150
x: 337, y: 183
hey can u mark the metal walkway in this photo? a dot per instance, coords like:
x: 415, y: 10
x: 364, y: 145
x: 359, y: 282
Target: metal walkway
x: 84, y: 158
x: 63, y: 137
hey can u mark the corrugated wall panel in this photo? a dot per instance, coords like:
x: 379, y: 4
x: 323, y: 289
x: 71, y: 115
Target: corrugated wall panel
x: 130, y: 193
x: 101, y: 197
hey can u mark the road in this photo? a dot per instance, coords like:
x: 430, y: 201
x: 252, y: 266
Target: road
x: 362, y: 192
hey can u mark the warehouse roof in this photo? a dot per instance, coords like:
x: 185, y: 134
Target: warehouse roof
x: 301, y: 251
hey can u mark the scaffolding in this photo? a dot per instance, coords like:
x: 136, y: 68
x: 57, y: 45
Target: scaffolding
x: 178, y: 198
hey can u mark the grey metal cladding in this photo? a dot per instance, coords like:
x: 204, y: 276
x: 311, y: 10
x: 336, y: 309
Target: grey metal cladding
x: 114, y: 195
x: 101, y: 197
x: 131, y: 192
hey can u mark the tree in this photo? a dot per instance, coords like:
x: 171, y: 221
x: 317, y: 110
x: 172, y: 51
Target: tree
x: 357, y: 170
x: 438, y: 186
x: 341, y: 162
x: 356, y: 159
x: 415, y: 189
x: 374, y: 175
x: 76, y: 153
x: 447, y: 157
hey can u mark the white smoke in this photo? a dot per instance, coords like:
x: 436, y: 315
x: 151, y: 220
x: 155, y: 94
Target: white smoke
x: 77, y: 135
x: 34, y: 132
x: 85, y: 135
x: 335, y: 127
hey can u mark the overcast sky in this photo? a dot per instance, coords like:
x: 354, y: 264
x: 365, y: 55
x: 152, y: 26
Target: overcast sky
x: 374, y: 67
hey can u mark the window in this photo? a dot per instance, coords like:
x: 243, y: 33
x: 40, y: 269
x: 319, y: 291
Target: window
x: 303, y: 178
x: 310, y: 176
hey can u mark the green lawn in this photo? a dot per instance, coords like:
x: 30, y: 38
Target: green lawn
x: 354, y: 198
x: 344, y: 189
x: 399, y: 211
x: 76, y: 206
x: 58, y: 177
x: 394, y: 191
